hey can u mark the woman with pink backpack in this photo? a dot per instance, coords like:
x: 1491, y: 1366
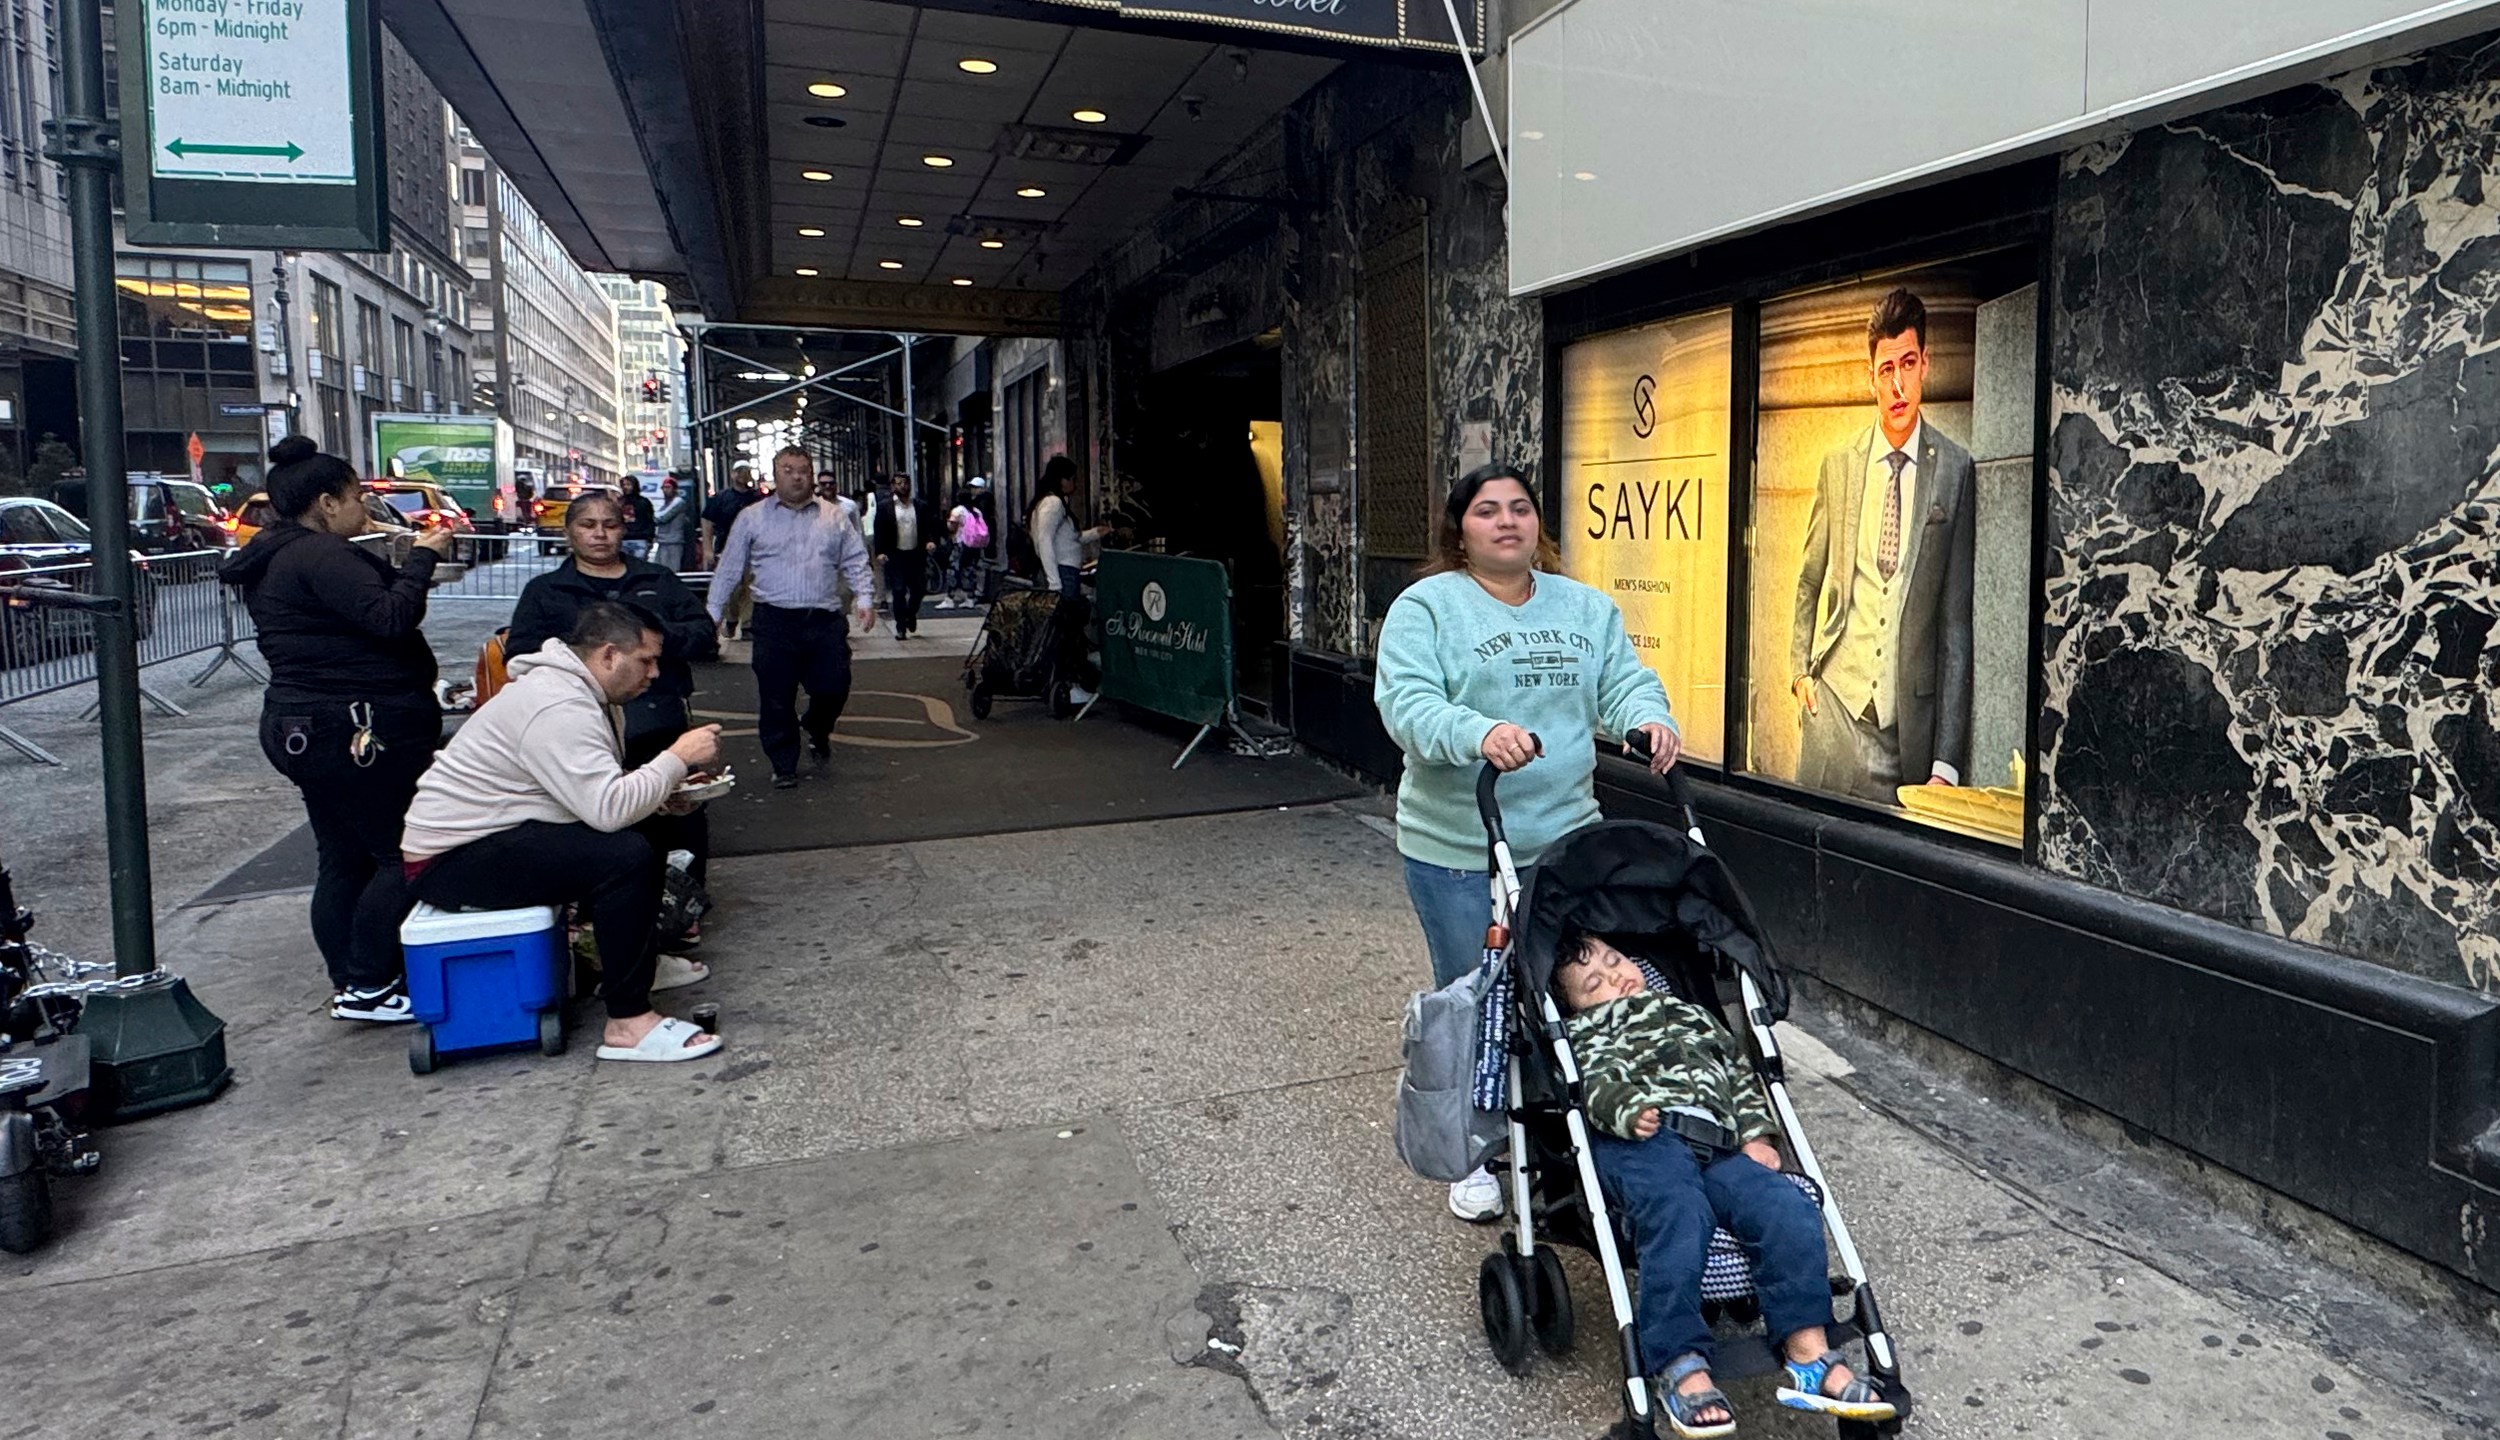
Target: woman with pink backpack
x: 968, y: 541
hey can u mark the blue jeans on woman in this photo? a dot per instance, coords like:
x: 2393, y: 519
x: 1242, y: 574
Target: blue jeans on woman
x: 1454, y: 907
x: 1673, y: 1204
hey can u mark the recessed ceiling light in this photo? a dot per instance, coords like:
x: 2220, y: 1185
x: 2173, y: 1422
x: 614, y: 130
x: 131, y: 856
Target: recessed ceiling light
x: 805, y: 270
x: 910, y: 222
x: 971, y: 65
x: 1531, y: 134
x: 1088, y: 117
x: 1583, y: 175
x: 826, y: 90
x: 811, y: 232
x: 963, y: 280
x: 815, y: 174
x: 827, y: 122
x: 889, y: 264
x: 937, y: 162
x: 993, y: 244
x: 1032, y: 192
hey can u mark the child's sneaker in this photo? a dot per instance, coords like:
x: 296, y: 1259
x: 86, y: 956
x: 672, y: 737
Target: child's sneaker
x: 385, y: 1005
x: 1857, y: 1400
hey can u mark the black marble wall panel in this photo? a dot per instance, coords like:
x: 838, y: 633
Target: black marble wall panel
x: 2274, y: 497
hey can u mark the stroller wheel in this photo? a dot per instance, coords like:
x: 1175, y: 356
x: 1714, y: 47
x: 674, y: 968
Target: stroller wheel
x: 1504, y: 1310
x: 1549, y: 1309
x: 980, y: 702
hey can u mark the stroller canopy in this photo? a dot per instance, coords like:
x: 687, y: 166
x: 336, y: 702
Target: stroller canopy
x: 1624, y: 877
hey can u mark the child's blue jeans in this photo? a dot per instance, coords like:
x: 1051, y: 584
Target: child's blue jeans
x: 1672, y: 1205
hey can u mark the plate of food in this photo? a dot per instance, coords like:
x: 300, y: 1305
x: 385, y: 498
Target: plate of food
x: 701, y: 786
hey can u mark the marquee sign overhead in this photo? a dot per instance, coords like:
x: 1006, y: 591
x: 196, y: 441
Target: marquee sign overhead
x: 1396, y: 24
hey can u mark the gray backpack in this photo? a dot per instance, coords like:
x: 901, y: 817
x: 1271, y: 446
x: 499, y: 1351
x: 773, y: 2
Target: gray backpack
x: 1441, y: 1135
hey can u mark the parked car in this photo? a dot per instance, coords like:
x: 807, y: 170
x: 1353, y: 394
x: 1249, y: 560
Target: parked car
x: 43, y: 546
x: 157, y: 523
x: 208, y: 524
x: 423, y: 505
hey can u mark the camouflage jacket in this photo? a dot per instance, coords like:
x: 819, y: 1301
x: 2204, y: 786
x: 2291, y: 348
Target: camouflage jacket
x: 1653, y: 1049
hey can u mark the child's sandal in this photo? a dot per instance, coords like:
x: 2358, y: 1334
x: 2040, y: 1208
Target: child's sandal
x: 1857, y: 1400
x: 1682, y: 1408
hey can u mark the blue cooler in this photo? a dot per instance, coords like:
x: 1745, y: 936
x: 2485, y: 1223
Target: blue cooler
x: 483, y: 980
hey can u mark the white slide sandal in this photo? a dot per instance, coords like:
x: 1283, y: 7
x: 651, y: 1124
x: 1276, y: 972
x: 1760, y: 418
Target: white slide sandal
x: 675, y: 972
x: 665, y: 1043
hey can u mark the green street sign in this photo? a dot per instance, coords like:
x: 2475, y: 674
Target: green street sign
x: 1167, y: 634
x: 253, y: 124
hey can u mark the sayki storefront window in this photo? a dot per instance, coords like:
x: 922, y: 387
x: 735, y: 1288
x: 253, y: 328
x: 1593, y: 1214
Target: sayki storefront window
x: 1876, y: 534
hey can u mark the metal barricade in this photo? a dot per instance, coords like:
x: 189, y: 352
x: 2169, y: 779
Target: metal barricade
x: 178, y: 608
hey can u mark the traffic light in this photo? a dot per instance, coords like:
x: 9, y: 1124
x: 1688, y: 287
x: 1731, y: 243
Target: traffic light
x: 651, y: 390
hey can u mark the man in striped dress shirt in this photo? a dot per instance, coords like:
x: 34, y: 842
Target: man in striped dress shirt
x: 799, y: 553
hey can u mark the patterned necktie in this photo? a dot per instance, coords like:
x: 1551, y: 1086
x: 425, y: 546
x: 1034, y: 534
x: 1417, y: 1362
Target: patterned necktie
x: 1888, y: 544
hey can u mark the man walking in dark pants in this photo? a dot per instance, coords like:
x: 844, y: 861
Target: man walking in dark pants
x: 797, y: 553
x: 907, y: 534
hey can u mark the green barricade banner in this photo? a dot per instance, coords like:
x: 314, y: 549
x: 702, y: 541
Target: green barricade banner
x: 1167, y: 634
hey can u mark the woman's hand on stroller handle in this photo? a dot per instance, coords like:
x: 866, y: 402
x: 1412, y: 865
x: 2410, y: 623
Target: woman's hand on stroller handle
x: 1506, y: 747
x: 1502, y: 741
x: 1657, y: 745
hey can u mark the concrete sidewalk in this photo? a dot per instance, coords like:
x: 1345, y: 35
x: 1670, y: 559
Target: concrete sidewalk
x: 1077, y: 1135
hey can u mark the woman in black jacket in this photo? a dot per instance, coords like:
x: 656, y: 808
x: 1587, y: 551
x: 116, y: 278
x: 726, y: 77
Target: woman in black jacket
x: 595, y: 527
x: 350, y: 714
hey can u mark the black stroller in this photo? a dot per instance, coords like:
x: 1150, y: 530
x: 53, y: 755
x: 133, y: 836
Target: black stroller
x: 1664, y: 897
x: 1021, y: 651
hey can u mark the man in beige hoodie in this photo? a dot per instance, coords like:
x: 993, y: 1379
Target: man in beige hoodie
x: 531, y: 804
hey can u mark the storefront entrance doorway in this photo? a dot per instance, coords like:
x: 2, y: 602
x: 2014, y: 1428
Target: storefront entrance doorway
x: 1213, y: 486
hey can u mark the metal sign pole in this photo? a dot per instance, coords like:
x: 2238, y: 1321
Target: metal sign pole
x: 87, y: 149
x: 155, y: 1047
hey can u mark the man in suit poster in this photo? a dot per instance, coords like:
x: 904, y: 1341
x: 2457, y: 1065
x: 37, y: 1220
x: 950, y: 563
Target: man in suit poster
x: 1881, y: 649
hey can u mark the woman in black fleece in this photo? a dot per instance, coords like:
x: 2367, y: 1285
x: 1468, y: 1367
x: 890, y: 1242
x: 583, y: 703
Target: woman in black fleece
x: 350, y: 715
x: 595, y: 526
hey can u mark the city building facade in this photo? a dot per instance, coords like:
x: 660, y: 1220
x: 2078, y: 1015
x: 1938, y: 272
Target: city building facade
x: 650, y: 375
x: 552, y: 368
x: 38, y: 337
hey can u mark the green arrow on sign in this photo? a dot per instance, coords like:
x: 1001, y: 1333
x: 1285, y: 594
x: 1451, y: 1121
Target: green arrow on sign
x: 290, y: 149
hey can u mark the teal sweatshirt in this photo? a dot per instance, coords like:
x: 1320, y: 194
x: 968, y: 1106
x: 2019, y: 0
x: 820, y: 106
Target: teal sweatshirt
x: 1455, y: 662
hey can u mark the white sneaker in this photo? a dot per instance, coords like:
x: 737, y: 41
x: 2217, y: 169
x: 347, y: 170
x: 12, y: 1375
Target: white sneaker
x: 1477, y: 1199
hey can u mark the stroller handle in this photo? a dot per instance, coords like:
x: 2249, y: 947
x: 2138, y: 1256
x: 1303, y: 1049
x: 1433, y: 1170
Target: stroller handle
x: 1679, y: 789
x: 1486, y: 806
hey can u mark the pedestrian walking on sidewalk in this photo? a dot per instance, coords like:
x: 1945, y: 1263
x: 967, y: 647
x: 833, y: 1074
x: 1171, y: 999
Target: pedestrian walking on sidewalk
x: 1057, y: 542
x: 350, y: 714
x: 798, y: 553
x: 1485, y: 659
x: 642, y: 523
x: 676, y: 519
x: 719, y: 513
x: 907, y: 534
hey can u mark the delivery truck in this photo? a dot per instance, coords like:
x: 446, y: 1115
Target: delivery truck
x: 469, y: 456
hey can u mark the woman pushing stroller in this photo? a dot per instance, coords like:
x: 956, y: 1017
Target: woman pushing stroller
x: 1486, y: 661
x: 1480, y: 660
